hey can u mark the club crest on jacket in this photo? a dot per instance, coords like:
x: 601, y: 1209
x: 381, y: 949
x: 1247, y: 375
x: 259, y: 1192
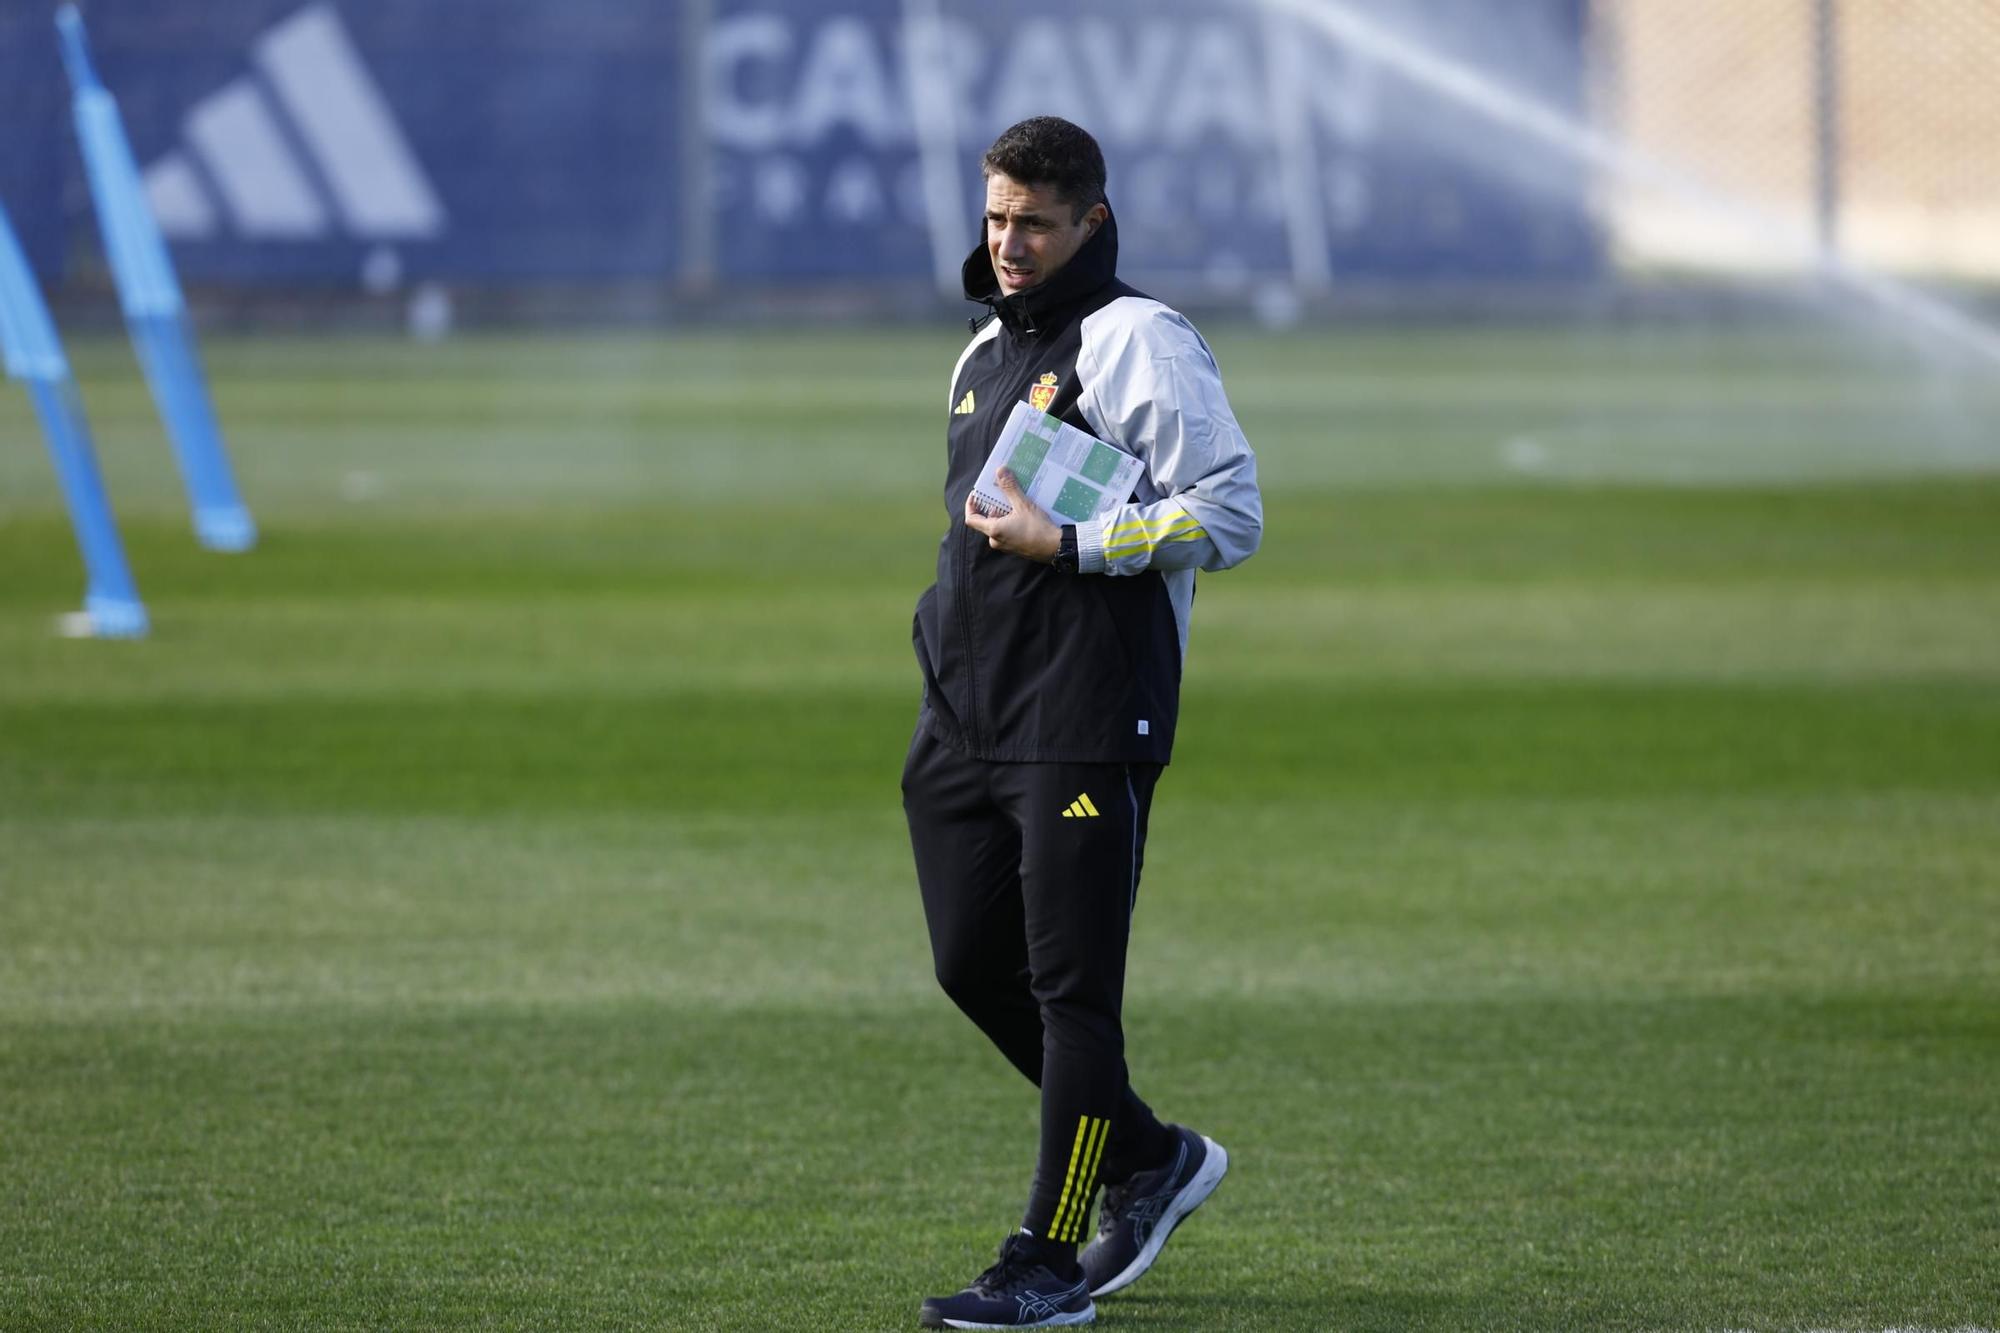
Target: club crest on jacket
x: 1044, y: 393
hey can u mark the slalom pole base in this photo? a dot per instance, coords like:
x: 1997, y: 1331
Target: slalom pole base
x: 104, y: 618
x: 230, y: 529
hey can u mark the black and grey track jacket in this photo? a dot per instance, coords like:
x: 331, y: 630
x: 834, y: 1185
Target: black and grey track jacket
x: 1022, y: 662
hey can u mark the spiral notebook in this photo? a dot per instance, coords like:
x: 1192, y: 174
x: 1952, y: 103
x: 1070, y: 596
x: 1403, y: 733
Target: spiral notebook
x: 1070, y: 473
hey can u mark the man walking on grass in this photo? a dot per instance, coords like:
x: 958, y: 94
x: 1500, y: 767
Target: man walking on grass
x: 1051, y: 658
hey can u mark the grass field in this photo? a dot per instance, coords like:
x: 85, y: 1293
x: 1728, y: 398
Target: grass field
x: 1576, y: 901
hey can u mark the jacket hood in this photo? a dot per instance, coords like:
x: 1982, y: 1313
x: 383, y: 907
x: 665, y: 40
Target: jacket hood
x: 1094, y: 264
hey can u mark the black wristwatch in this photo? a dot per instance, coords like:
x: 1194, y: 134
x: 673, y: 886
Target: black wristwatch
x: 1065, y: 556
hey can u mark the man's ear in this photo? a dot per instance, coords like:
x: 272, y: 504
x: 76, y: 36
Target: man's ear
x: 1095, y: 219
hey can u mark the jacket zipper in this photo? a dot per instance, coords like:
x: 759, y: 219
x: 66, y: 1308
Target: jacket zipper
x: 967, y: 552
x: 965, y: 635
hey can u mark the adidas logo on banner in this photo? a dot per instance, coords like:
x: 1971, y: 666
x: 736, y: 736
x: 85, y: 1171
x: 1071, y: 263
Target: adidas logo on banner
x: 1081, y: 808
x: 345, y: 160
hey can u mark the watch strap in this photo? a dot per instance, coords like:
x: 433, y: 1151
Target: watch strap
x: 1065, y: 557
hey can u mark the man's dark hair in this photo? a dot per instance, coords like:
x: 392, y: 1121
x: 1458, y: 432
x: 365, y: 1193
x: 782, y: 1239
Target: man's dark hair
x: 1048, y: 150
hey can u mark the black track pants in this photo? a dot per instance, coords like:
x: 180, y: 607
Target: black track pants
x: 1029, y: 875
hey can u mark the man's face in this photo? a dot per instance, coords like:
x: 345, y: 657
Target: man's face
x: 1031, y: 232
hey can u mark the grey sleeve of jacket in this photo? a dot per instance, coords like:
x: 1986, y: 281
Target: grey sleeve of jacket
x: 1150, y: 386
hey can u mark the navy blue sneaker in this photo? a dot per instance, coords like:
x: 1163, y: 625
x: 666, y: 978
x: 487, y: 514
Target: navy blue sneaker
x: 1137, y: 1217
x: 1017, y: 1292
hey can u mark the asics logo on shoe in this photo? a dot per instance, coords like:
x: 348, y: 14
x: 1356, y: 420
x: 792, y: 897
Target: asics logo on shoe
x: 1042, y: 1304
x: 1144, y: 1215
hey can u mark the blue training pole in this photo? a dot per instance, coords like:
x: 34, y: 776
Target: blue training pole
x: 155, y: 311
x: 35, y: 357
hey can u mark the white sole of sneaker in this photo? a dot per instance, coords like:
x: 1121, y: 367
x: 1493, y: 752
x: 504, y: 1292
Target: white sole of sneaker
x: 1087, y: 1315
x: 1213, y: 1167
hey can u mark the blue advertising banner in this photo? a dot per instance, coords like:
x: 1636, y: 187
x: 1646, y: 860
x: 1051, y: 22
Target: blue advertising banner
x: 35, y: 148
x: 372, y: 142
x: 1239, y: 141
x: 343, y: 140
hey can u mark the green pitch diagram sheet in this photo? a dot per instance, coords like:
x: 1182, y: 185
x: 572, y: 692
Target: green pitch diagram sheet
x: 1068, y: 472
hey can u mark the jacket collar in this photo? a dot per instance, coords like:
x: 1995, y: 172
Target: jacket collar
x: 1094, y: 264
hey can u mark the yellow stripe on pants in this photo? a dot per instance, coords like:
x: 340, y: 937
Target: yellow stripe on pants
x: 1075, y: 1202
x: 1078, y: 1151
x: 1096, y: 1154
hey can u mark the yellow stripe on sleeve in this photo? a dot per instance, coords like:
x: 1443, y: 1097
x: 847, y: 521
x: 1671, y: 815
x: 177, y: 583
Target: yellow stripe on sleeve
x: 1139, y: 544
x: 1147, y: 526
x: 1127, y: 541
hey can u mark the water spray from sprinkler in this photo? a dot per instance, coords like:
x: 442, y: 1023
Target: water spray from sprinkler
x: 1922, y: 317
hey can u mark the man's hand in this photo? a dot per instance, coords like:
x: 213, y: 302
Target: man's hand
x: 1024, y: 531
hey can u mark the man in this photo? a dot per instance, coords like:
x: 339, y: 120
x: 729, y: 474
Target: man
x: 1051, y: 660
